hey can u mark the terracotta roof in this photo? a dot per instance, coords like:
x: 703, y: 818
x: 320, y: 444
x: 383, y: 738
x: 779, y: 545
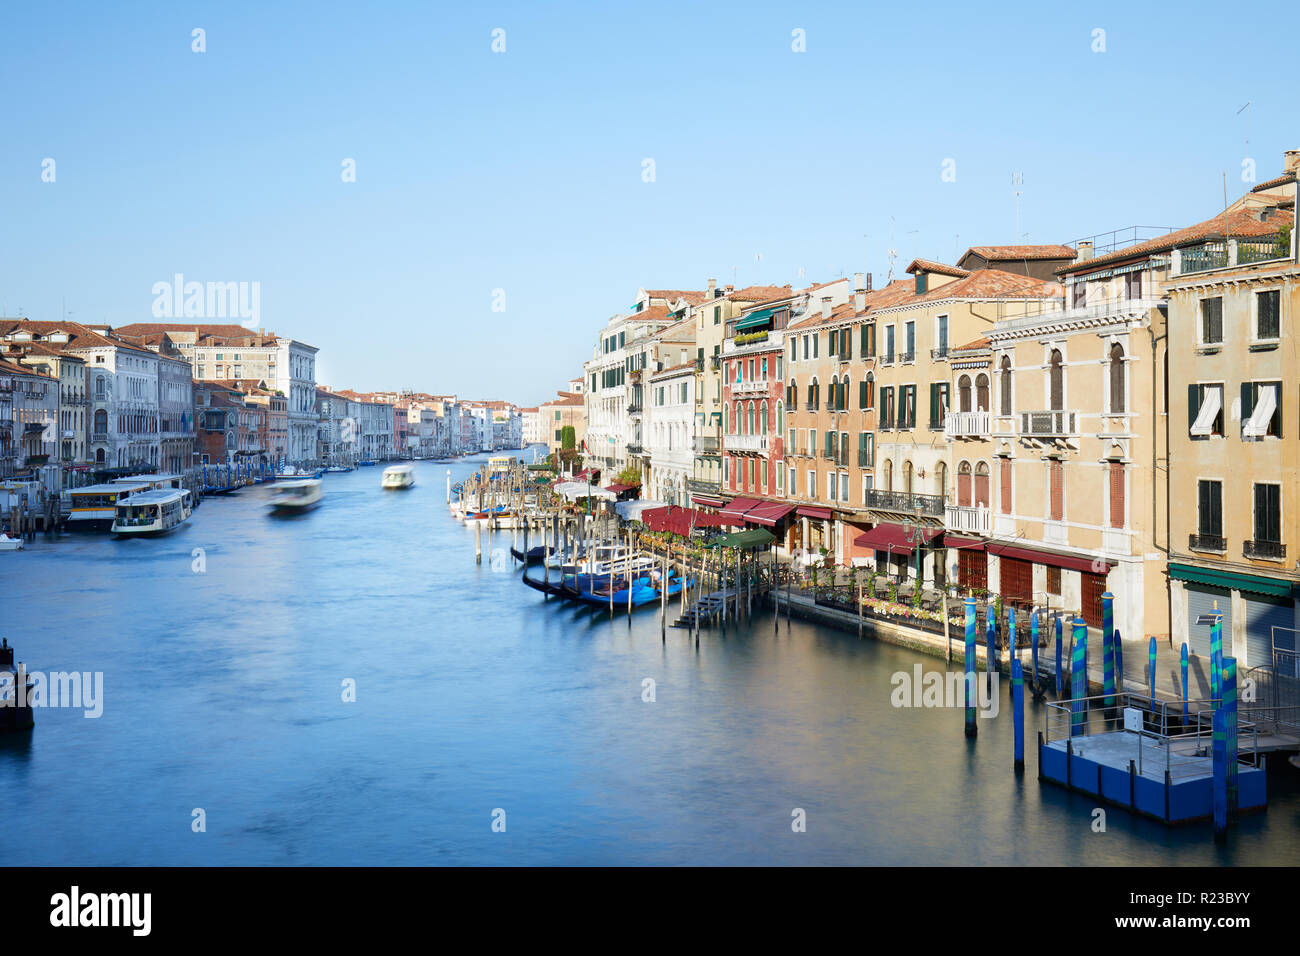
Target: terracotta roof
x: 79, y: 336
x: 975, y: 346
x: 672, y: 295
x: 13, y: 368
x: 673, y: 370
x: 1238, y: 222
x: 1009, y: 253
x: 760, y: 293
x: 897, y: 291
x: 226, y: 334
x: 1279, y: 181
x: 941, y: 268
x: 655, y: 313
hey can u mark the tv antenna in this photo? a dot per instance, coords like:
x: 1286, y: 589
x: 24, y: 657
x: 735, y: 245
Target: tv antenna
x: 893, y: 253
x: 1017, y: 184
x: 1246, y: 109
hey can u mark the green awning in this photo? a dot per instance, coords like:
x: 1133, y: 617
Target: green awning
x: 1230, y: 580
x: 761, y: 317
x: 753, y: 538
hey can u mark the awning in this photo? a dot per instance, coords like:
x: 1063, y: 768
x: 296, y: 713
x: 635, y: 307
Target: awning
x: 592, y: 473
x: 768, y: 513
x: 754, y: 318
x: 753, y: 538
x: 807, y: 511
x: 709, y: 501
x: 738, y: 506
x: 1070, y: 562
x: 634, y: 510
x: 1231, y: 579
x: 618, y: 489
x: 970, y: 544
x: 894, y: 538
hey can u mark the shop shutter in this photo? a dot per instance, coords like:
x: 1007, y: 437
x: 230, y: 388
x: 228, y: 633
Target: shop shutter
x: 1093, y: 587
x: 1200, y: 600
x: 1006, y: 485
x: 1016, y: 578
x: 1116, y: 495
x: 1262, y: 615
x: 972, y: 568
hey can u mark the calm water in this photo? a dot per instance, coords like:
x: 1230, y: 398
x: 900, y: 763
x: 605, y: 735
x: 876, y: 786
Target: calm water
x: 223, y: 691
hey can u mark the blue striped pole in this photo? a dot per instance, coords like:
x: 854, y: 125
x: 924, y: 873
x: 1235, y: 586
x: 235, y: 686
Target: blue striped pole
x: 1033, y: 638
x: 1108, y: 647
x: 1119, y: 661
x: 1216, y: 651
x: 1183, y: 662
x: 1151, y: 669
x: 970, y: 667
x: 1011, y: 631
x: 1079, y: 676
x: 1018, y: 710
x: 1228, y: 685
x: 1219, y: 751
x: 1058, y: 655
x: 990, y: 641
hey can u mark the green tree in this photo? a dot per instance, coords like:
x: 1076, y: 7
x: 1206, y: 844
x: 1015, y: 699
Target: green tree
x: 631, y: 475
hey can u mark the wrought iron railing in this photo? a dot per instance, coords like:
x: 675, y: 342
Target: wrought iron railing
x: 1047, y: 424
x: 1207, y: 542
x: 901, y: 502
x: 1263, y: 549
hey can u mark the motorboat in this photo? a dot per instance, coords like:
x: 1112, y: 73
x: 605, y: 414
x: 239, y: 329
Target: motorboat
x: 296, y: 497
x: 10, y: 544
x: 152, y: 512
x: 398, y: 478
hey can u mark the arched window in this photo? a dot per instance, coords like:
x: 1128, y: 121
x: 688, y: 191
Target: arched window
x: 1116, y: 379
x: 907, y: 477
x: 813, y: 390
x: 740, y: 420
x: 845, y: 387
x: 1005, y: 383
x: 982, y: 485
x: 726, y: 419
x: 963, y: 393
x: 780, y: 419
x: 889, y: 474
x: 101, y: 421
x: 941, y: 479
x: 762, y: 419
x: 1056, y: 381
x: 99, y: 456
x: 750, y: 420
x: 963, y: 484
x: 982, y: 392
x: 792, y: 394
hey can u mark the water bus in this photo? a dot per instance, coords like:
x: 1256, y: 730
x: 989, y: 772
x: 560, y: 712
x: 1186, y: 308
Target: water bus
x: 398, y: 477
x: 296, y: 497
x: 95, y: 506
x: 152, y: 512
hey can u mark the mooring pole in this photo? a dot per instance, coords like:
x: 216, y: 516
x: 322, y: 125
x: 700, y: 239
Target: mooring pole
x: 1033, y: 644
x: 1182, y: 660
x: 1018, y: 711
x: 1151, y: 669
x: 1108, y: 647
x: 1079, y: 675
x: 1059, y: 641
x: 969, y: 666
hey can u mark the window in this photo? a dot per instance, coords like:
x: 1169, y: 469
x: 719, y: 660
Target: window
x: 1209, y: 507
x: 1261, y: 412
x: 1205, y: 410
x: 1079, y: 295
x: 794, y: 350
x: 963, y: 393
x: 793, y: 396
x: 844, y: 487
x: 910, y: 338
x: 1133, y: 284
x: 889, y: 343
x: 814, y: 345
x: 832, y: 487
x: 1116, y: 477
x: 887, y: 407
x: 717, y: 314
x: 964, y: 484
x: 812, y: 484
x: 982, y: 392
x: 1056, y: 380
x: 907, y: 406
x: 866, y: 449
x: 1212, y: 321
x: 1053, y: 580
x: 1005, y: 382
x: 1056, y: 478
x: 812, y: 443
x: 1268, y: 314
x: 941, y: 334
x: 805, y: 348
x: 921, y: 283
x: 982, y: 485
x: 868, y: 340
x: 1117, y: 379
x: 1004, y: 480
x: 938, y: 404
x: 1268, y: 513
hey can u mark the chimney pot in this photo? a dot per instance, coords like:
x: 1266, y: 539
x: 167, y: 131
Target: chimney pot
x: 826, y: 307
x: 1291, y: 161
x: 1084, y: 251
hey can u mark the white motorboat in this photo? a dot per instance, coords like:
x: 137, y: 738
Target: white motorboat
x: 150, y: 513
x: 296, y: 497
x: 398, y: 477
x: 10, y: 544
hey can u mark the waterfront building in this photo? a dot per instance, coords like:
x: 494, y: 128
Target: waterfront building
x: 711, y: 317
x: 220, y: 433
x: 668, y: 432
x: 532, y: 428
x: 273, y: 437
x: 566, y: 411
x: 70, y: 457
x: 336, y: 429
x: 1233, y: 295
x: 218, y: 352
x: 28, y: 424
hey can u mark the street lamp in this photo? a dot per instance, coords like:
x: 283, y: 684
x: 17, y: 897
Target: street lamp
x: 916, y: 537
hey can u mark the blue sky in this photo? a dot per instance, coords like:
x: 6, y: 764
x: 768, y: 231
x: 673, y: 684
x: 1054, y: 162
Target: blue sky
x: 522, y: 170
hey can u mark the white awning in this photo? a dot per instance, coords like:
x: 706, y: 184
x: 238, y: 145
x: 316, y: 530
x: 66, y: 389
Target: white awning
x: 1211, y: 403
x: 632, y: 510
x: 1257, y: 425
x: 573, y: 490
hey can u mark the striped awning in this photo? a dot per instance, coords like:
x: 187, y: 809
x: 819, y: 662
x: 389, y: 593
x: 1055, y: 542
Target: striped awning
x: 738, y: 506
x: 761, y: 317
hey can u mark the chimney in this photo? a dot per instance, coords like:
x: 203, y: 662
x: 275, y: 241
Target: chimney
x: 713, y: 288
x: 1291, y: 161
x: 859, y: 291
x: 826, y: 307
x: 728, y: 289
x: 1083, y: 251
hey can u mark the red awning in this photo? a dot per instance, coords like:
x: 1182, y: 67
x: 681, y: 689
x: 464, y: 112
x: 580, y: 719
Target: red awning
x: 966, y: 544
x: 768, y: 513
x: 1068, y: 561
x: 592, y: 473
x: 709, y: 501
x: 618, y: 489
x: 807, y: 511
x: 738, y: 506
x: 678, y: 520
x: 893, y: 538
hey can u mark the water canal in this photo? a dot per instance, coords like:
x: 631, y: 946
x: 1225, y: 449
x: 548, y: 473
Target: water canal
x: 223, y: 691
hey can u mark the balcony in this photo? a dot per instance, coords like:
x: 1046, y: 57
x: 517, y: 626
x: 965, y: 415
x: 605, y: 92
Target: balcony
x: 634, y: 448
x: 1047, y: 424
x: 906, y: 358
x: 844, y: 356
x: 976, y: 424
x: 1275, y: 550
x: 1220, y: 254
x: 697, y: 486
x: 1208, y: 542
x: 887, y: 359
x: 99, y: 436
x: 634, y: 408
x: 975, y: 520
x: 715, y: 362
x: 939, y: 354
x: 810, y: 407
x: 705, y: 445
x: 753, y: 443
x: 902, y: 503
x: 749, y: 388
x: 866, y: 459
